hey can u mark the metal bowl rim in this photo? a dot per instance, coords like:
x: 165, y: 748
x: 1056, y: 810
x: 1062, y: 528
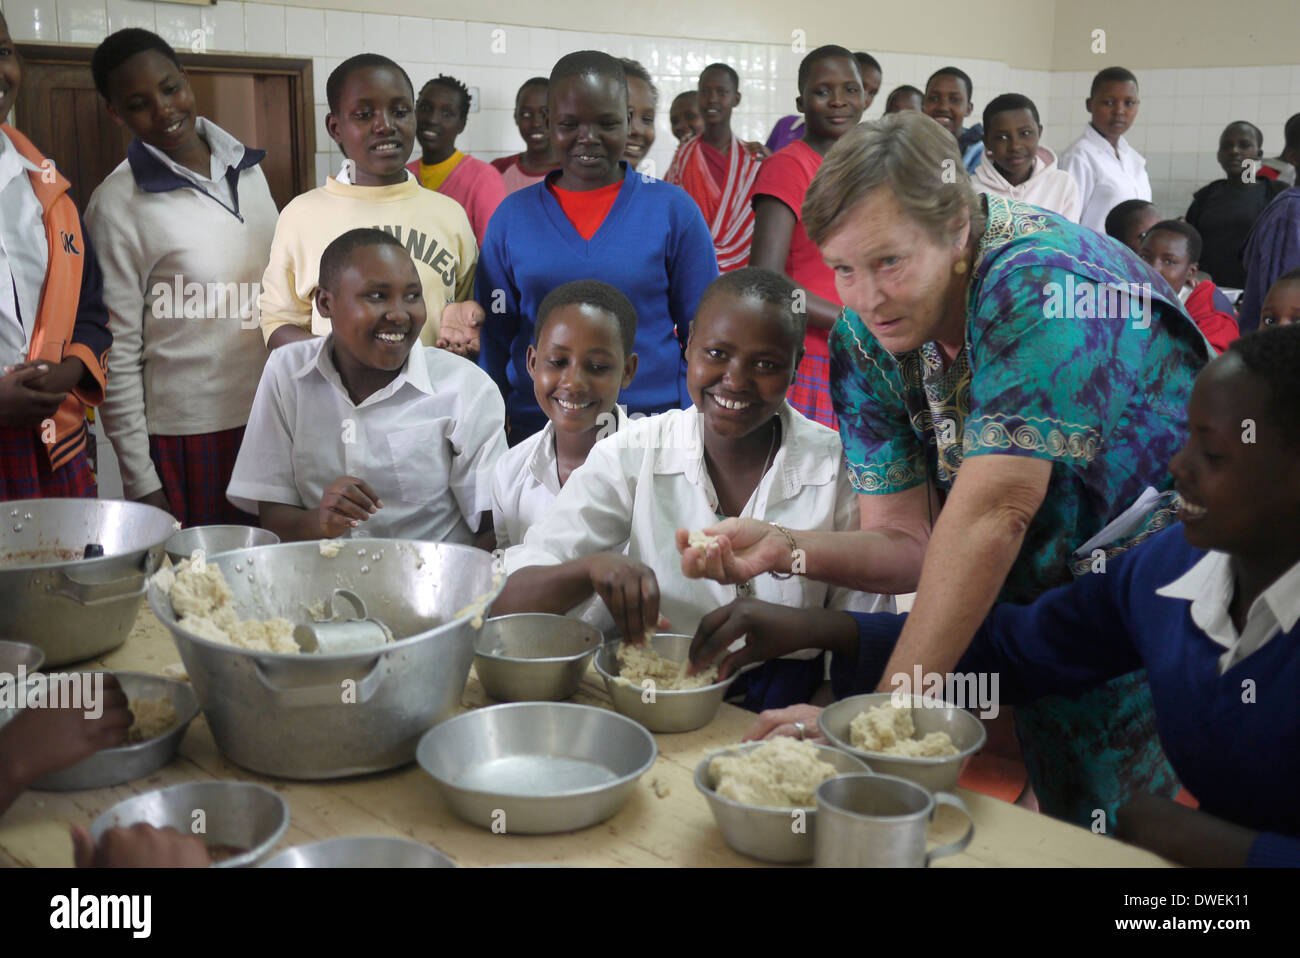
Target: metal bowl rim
x: 920, y: 762
x: 610, y: 679
x: 98, y: 562
x: 393, y: 839
x: 712, y: 794
x: 40, y: 653
x: 154, y: 596
x: 220, y: 525
x: 125, y: 751
x: 575, y: 793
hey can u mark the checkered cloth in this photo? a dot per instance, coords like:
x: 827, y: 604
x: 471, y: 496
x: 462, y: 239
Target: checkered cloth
x: 25, y: 470
x: 811, y: 392
x: 195, y: 471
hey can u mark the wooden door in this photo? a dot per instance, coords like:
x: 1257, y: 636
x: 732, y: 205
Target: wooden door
x: 263, y: 101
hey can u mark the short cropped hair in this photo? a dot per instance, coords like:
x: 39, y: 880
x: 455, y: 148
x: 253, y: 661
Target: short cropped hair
x: 765, y: 285
x: 867, y: 62
x: 594, y: 293
x: 821, y: 53
x: 542, y: 82
x: 1121, y: 215
x: 1272, y: 355
x: 1254, y: 130
x: 1006, y: 102
x: 735, y: 77
x: 1186, y: 230
x: 906, y: 152
x: 362, y: 61
x: 634, y: 69
x: 953, y: 72
x: 591, y: 63
x: 121, y: 46
x: 451, y: 83
x: 340, y: 250
x: 1112, y: 75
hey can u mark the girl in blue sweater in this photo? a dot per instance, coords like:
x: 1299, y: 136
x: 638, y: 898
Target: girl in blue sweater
x: 594, y: 218
x: 1211, y: 610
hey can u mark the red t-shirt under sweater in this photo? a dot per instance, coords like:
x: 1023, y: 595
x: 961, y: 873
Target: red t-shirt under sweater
x: 587, y: 209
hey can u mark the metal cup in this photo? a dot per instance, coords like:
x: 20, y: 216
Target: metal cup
x: 879, y: 821
x: 341, y: 634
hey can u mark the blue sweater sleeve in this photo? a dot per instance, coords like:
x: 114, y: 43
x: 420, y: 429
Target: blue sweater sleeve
x: 495, y: 291
x: 1070, y: 639
x: 1274, y: 850
x: 91, y: 328
x: 692, y: 265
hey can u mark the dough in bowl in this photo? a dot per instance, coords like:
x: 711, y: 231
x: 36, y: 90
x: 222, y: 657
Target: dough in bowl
x: 640, y: 662
x: 891, y: 731
x: 782, y: 773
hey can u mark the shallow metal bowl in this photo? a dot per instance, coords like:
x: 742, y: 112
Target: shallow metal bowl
x: 780, y: 835
x: 214, y: 540
x: 361, y: 851
x: 15, y: 654
x: 936, y: 774
x: 239, y: 814
x: 533, y: 656
x: 662, y: 710
x: 126, y: 763
x: 537, y: 768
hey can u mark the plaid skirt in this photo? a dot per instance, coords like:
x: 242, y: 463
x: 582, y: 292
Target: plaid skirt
x: 811, y: 392
x: 25, y: 470
x: 195, y: 472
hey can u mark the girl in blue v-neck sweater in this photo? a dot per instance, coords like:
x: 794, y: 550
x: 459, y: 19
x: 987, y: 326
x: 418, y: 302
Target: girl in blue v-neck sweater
x: 652, y: 245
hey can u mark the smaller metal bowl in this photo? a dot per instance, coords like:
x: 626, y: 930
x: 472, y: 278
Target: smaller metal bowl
x: 536, y: 768
x: 15, y: 654
x: 763, y: 832
x: 533, y: 656
x: 126, y: 763
x: 662, y: 710
x: 237, y: 814
x: 936, y: 774
x: 361, y: 851
x: 214, y: 540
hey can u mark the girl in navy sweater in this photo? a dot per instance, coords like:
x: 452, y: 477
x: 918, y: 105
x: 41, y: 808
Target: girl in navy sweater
x: 594, y: 218
x: 1211, y: 610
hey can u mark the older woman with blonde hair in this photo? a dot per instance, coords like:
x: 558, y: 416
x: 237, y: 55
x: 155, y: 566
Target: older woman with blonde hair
x: 1008, y: 385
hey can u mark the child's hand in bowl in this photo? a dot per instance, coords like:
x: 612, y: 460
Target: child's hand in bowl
x: 139, y: 846
x: 769, y: 630
x: 38, y: 740
x: 346, y: 503
x: 629, y: 590
x: 744, y: 548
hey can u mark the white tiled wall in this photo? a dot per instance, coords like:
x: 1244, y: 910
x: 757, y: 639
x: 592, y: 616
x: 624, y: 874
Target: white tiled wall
x: 1178, y: 126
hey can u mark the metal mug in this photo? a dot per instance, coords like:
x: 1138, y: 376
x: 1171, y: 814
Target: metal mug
x: 879, y: 821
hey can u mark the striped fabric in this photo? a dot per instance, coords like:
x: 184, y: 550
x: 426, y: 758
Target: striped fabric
x: 25, y: 471
x: 195, y: 471
x: 728, y: 210
x: 811, y: 392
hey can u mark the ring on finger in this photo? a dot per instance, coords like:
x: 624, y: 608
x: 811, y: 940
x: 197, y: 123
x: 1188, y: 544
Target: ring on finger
x: 800, y: 730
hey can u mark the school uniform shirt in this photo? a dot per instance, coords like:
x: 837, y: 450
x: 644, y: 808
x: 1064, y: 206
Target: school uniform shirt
x: 527, y: 480
x: 641, y: 484
x: 512, y: 173
x: 183, y: 256
x: 23, y: 253
x: 1223, y: 215
x: 653, y: 247
x: 1107, y: 175
x: 1048, y: 187
x: 1272, y: 249
x: 475, y: 185
x: 1225, y: 704
x: 433, y: 228
x: 427, y: 443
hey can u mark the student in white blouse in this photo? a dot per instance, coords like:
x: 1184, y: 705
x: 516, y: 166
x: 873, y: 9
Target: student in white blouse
x: 581, y: 359
x: 741, y: 450
x: 366, y: 432
x: 1107, y: 169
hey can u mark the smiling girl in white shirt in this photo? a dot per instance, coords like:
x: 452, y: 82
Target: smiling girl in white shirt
x: 1107, y: 169
x: 740, y: 450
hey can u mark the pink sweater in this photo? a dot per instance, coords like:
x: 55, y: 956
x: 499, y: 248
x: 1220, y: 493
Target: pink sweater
x: 475, y: 185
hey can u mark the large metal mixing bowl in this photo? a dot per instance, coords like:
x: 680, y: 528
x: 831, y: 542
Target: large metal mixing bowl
x: 70, y: 607
x: 314, y: 716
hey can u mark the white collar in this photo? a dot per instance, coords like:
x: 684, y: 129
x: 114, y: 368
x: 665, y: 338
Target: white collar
x: 544, y: 464
x: 809, y: 455
x: 225, y: 149
x: 415, y: 372
x: 1099, y: 142
x: 12, y: 163
x: 1209, y: 586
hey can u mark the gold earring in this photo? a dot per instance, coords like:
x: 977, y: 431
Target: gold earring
x: 959, y: 267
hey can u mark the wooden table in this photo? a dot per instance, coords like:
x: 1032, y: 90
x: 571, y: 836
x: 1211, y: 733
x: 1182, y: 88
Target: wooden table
x: 675, y: 829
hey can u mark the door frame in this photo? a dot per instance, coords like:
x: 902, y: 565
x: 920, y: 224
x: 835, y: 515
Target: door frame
x: 297, y: 69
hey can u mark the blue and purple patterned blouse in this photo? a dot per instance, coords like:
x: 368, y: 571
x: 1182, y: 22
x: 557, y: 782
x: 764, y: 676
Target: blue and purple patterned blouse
x: 1075, y: 352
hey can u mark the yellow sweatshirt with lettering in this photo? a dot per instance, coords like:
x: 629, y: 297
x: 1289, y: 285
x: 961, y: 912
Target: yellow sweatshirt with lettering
x: 433, y: 228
